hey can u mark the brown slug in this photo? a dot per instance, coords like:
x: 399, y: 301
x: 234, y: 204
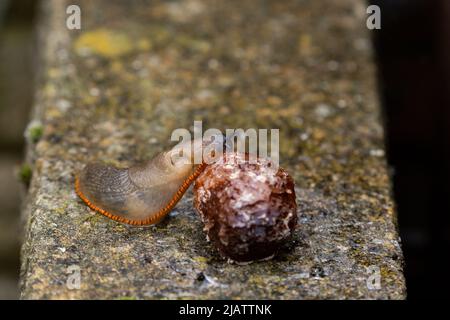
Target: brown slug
x: 248, y: 208
x: 145, y: 193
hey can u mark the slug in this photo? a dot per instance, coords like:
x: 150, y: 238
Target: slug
x: 143, y: 194
x: 248, y: 209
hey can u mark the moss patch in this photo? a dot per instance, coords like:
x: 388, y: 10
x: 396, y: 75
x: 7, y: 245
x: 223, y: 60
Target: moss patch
x: 25, y: 174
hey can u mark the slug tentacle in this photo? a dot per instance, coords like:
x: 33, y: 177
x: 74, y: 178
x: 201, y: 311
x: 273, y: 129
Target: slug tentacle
x: 142, y: 194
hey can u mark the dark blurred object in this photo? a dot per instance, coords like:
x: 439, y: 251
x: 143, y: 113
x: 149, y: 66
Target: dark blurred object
x: 16, y: 78
x: 413, y: 51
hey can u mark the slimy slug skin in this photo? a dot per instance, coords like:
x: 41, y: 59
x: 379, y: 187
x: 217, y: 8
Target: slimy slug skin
x: 145, y: 193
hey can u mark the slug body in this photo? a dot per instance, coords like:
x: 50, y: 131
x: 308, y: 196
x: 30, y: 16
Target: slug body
x: 248, y: 209
x: 142, y: 194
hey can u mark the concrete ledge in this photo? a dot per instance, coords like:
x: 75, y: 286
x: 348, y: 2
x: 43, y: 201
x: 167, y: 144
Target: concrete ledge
x: 115, y: 90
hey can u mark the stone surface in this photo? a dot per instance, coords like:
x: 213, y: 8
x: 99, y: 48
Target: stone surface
x: 115, y: 90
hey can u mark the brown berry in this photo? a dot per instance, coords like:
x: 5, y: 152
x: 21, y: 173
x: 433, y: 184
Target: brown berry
x: 248, y: 207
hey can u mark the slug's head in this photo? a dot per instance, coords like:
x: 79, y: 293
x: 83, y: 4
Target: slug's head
x: 198, y: 151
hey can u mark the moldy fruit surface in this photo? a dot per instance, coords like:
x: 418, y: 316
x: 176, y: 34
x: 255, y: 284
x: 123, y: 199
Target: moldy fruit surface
x: 248, y: 208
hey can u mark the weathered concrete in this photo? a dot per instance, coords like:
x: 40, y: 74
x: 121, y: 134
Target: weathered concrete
x: 116, y: 90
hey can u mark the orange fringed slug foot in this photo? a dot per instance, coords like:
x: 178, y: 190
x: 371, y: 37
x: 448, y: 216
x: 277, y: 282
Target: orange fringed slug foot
x: 153, y: 217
